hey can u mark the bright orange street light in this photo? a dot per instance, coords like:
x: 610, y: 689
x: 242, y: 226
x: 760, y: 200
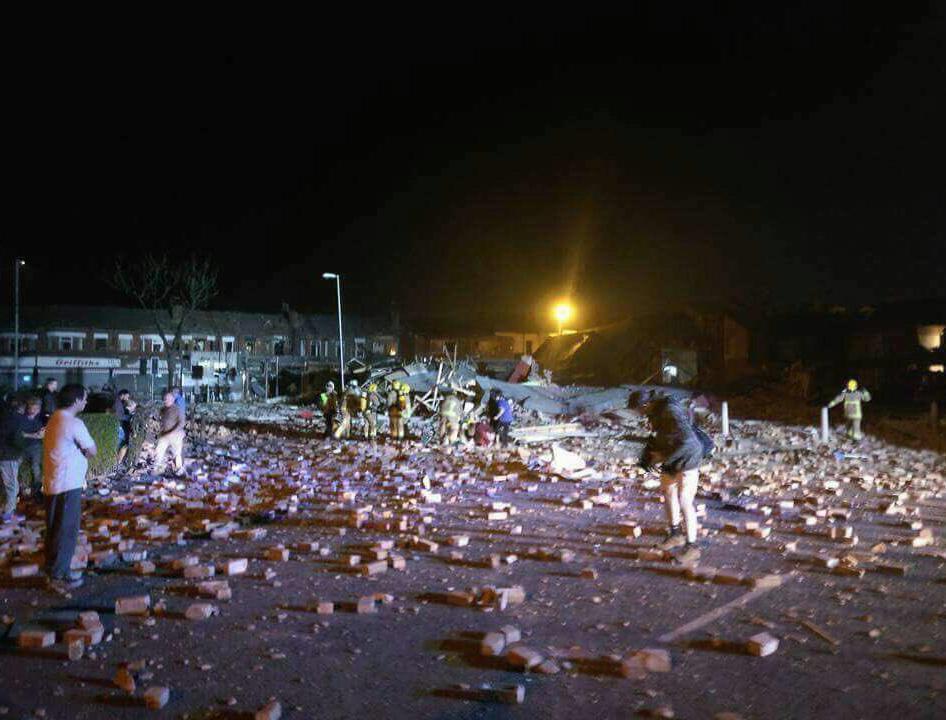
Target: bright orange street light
x: 563, y: 312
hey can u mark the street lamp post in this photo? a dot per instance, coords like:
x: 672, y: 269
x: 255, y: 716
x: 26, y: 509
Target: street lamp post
x: 17, y: 264
x: 341, y: 341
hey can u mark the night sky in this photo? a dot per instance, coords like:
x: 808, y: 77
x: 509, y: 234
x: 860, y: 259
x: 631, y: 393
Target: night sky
x: 479, y: 165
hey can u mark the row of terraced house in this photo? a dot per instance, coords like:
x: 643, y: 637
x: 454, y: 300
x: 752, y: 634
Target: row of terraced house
x: 122, y: 347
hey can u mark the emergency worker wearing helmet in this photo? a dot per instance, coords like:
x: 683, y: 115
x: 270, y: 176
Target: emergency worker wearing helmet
x: 852, y: 397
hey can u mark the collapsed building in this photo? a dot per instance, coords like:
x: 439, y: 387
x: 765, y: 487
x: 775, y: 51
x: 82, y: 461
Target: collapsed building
x: 671, y: 348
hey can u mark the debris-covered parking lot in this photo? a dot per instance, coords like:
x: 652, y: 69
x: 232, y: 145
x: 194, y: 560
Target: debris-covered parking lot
x: 289, y: 574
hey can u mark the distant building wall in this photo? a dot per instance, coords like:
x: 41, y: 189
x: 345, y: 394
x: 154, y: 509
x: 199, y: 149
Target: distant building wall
x: 522, y: 343
x: 499, y: 345
x: 100, y: 345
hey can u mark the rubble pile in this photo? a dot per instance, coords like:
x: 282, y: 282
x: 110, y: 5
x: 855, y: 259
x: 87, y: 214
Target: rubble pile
x: 503, y: 566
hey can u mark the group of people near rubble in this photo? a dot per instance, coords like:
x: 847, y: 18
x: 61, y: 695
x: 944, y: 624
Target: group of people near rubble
x: 457, y: 422
x: 340, y: 412
x: 22, y: 427
x: 24, y: 417
x: 48, y: 432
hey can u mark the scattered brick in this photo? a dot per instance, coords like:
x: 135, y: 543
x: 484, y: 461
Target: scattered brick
x: 256, y: 533
x: 515, y: 595
x: 493, y: 643
x: 237, y: 566
x: 215, y: 589
x: 426, y: 545
x: 459, y: 597
x: 156, y: 697
x: 184, y: 562
x: 366, y: 605
x: 277, y: 554
x: 522, y: 657
x: 196, y: 572
x: 373, y: 568
x: 36, y: 638
x: 654, y: 660
x: 134, y: 605
x: 511, y: 634
x: 124, y: 680
x: 24, y: 570
x: 270, y: 711
x: 200, y: 611
x: 761, y: 644
x: 88, y: 636
x: 765, y: 581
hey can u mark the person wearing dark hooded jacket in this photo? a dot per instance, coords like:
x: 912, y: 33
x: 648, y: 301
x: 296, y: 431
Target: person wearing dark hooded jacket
x: 678, y: 451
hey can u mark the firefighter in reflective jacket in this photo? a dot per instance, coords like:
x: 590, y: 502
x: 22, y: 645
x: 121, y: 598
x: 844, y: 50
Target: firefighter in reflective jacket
x: 371, y: 405
x: 450, y: 410
x: 852, y: 397
x: 328, y: 401
x: 394, y: 410
x: 399, y: 408
x: 347, y: 409
x: 404, y: 400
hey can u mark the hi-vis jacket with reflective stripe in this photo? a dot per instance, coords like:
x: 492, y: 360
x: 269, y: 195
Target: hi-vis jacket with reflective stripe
x: 852, y: 402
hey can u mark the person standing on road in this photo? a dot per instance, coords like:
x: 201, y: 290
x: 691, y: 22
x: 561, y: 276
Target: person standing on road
x: 852, y: 397
x: 12, y: 424
x: 123, y: 408
x: 328, y: 403
x: 500, y: 415
x: 450, y: 411
x: 677, y: 450
x: 170, y: 435
x: 33, y: 433
x: 372, y: 404
x: 399, y: 399
x: 406, y: 407
x: 67, y: 447
x: 348, y: 408
x: 48, y: 398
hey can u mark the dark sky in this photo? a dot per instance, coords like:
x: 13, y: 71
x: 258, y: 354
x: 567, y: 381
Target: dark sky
x: 485, y: 163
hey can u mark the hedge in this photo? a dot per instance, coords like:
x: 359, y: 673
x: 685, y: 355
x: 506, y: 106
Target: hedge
x: 139, y: 429
x: 103, y: 427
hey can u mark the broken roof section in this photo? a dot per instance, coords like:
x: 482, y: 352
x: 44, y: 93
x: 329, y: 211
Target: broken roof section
x: 632, y: 350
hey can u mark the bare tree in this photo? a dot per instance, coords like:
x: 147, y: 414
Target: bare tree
x: 170, y: 292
